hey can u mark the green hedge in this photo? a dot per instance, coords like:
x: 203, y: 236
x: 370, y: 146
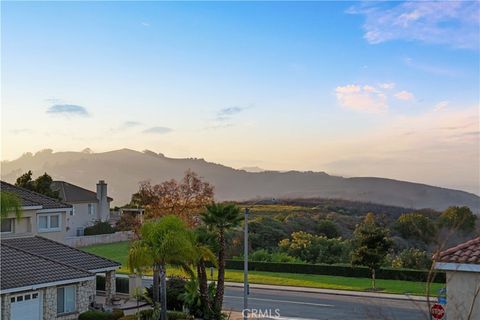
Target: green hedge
x: 99, y: 228
x: 100, y: 315
x: 336, y: 270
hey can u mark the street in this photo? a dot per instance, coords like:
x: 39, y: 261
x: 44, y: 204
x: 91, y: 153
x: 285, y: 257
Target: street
x: 309, y: 306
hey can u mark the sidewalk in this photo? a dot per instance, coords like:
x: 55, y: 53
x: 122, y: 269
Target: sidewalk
x: 332, y: 291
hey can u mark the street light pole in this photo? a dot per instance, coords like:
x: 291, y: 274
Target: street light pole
x: 245, y: 267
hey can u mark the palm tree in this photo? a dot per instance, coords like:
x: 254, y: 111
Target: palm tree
x: 204, y: 243
x: 165, y: 241
x: 221, y: 218
x: 10, y: 203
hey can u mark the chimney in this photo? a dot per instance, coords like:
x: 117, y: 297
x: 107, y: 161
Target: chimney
x: 103, y: 206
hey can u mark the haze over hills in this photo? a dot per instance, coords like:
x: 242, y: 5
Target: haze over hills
x: 124, y: 169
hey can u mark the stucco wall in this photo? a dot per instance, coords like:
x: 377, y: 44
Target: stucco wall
x: 461, y: 289
x: 81, y: 218
x: 84, y: 241
x: 27, y: 226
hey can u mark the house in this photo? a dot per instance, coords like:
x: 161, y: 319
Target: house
x: 41, y: 215
x: 462, y: 267
x: 88, y: 206
x: 42, y: 279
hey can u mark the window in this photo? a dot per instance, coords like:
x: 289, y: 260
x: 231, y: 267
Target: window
x: 91, y: 209
x: 66, y: 299
x: 49, y: 222
x: 7, y: 225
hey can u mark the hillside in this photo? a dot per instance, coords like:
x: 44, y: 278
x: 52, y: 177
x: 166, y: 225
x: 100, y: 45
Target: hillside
x: 124, y: 169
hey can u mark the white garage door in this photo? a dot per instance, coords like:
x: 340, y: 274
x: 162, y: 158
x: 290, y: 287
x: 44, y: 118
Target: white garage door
x: 26, y: 306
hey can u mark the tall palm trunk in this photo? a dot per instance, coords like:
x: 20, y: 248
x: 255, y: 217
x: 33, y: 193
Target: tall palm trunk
x: 163, y: 288
x: 203, y: 286
x: 221, y: 273
x: 156, y: 283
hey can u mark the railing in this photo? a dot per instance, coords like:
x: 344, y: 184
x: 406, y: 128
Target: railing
x: 84, y: 241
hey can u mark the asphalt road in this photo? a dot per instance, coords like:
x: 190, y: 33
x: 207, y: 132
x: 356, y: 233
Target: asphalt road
x: 309, y: 306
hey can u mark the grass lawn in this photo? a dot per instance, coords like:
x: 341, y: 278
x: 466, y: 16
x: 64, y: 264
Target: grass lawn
x: 118, y: 252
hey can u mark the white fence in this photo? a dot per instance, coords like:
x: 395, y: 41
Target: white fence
x: 84, y: 241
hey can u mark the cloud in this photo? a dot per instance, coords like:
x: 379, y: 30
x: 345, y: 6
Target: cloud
x: 158, y: 130
x: 130, y: 124
x: 361, y: 98
x: 452, y: 23
x: 387, y: 86
x: 441, y: 105
x: 228, y: 112
x: 432, y: 69
x: 68, y: 110
x: 145, y: 24
x: 404, y: 95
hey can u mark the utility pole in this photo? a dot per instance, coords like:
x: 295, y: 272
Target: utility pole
x: 245, y: 267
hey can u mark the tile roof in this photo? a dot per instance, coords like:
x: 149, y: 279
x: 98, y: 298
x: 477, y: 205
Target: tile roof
x: 72, y: 193
x: 30, y: 198
x: 24, y: 269
x: 467, y: 252
x: 60, y: 252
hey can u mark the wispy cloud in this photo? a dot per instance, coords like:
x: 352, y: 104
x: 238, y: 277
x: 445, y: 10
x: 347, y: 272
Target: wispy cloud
x: 158, y: 130
x: 430, y: 68
x: 145, y: 24
x: 452, y: 23
x: 21, y: 131
x: 404, y: 95
x: 364, y: 98
x: 226, y: 113
x: 130, y: 124
x: 441, y: 105
x: 68, y: 110
x: 387, y: 85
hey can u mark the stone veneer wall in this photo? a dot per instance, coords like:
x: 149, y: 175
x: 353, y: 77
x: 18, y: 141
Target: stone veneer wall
x: 110, y: 286
x: 5, y: 307
x: 85, y: 292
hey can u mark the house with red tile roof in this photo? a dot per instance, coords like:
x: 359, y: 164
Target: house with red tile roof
x: 462, y: 267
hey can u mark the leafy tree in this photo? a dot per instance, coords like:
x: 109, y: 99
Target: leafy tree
x: 185, y: 199
x: 327, y: 228
x: 221, y: 218
x: 371, y: 243
x: 315, y: 249
x: 42, y: 184
x: 458, y: 218
x: 416, y: 226
x: 412, y: 258
x: 165, y: 241
x: 10, y: 203
x: 266, y: 232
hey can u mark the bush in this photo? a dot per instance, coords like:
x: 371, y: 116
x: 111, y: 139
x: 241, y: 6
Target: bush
x: 175, y: 288
x: 171, y: 315
x: 99, y: 227
x: 97, y: 315
x: 343, y: 270
x: 128, y: 222
x: 412, y: 259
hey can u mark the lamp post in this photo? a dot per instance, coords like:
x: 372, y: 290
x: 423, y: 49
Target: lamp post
x: 245, y: 266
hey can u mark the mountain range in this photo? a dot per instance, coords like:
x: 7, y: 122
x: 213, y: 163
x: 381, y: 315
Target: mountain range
x: 124, y: 169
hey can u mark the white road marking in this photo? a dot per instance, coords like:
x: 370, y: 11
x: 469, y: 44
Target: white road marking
x: 286, y: 301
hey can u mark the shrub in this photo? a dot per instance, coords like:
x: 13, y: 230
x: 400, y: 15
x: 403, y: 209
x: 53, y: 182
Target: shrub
x: 128, y: 222
x: 315, y: 249
x: 171, y: 315
x: 100, y: 227
x: 101, y: 315
x: 175, y: 288
x: 412, y: 259
x: 263, y: 255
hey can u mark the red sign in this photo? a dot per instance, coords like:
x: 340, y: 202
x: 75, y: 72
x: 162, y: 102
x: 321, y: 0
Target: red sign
x: 437, y: 311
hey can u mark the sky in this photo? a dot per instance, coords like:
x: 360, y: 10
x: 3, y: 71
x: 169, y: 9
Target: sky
x: 386, y: 89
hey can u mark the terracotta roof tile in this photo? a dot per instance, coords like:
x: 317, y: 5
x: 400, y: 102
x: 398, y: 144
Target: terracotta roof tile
x: 467, y: 252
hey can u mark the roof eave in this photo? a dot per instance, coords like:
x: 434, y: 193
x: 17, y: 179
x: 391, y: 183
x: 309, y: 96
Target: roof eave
x: 453, y: 266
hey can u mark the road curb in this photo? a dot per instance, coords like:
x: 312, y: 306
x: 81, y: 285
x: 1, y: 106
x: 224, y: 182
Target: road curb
x: 359, y: 294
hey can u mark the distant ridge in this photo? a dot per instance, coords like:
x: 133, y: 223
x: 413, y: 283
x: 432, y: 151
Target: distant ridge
x: 123, y: 169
